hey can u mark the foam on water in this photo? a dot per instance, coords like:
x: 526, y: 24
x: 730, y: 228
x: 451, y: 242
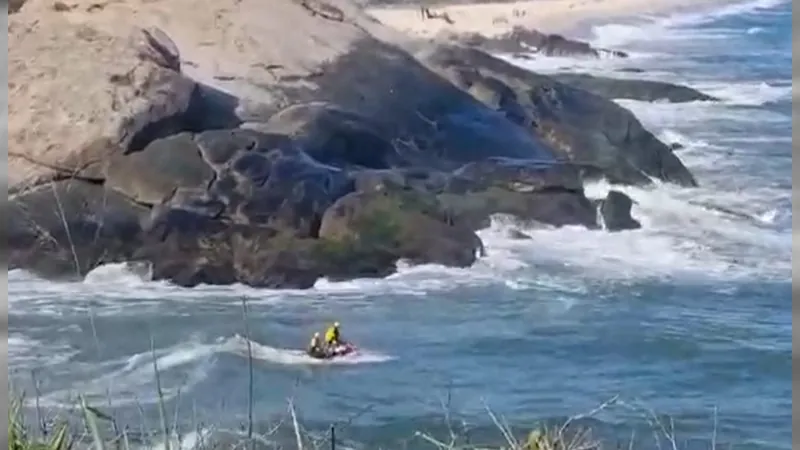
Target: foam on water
x: 28, y: 352
x: 192, y: 440
x: 672, y: 27
x: 129, y: 380
x: 239, y: 345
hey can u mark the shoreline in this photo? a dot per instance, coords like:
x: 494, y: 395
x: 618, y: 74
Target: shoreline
x: 493, y: 19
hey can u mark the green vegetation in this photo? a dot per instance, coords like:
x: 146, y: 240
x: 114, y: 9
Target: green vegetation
x: 61, y: 436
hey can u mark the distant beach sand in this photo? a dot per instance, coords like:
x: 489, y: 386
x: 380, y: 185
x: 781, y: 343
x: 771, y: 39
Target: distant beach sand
x: 496, y: 18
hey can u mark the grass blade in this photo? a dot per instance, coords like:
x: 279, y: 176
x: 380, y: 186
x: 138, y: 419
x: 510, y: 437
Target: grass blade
x: 91, y: 423
x: 161, y: 408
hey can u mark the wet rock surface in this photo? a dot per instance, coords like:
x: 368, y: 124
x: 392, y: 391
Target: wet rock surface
x: 615, y: 211
x: 583, y: 128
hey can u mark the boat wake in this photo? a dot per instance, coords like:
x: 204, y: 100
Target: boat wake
x: 238, y: 345
x: 130, y: 380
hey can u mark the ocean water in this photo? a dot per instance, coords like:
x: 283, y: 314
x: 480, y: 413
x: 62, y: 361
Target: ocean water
x: 689, y: 317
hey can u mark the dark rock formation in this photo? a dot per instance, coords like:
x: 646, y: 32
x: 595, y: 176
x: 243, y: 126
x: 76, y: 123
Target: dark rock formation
x: 643, y: 90
x: 521, y: 40
x: 67, y: 228
x: 362, y: 234
x: 333, y: 135
x: 630, y: 70
x: 584, y: 128
x: 531, y: 192
x: 374, y: 156
x: 15, y: 5
x: 153, y: 174
x: 518, y: 235
x: 406, y: 223
x: 428, y: 121
x: 615, y: 211
x: 676, y: 146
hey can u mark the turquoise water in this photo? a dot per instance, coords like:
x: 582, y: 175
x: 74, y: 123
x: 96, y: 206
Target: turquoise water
x: 690, y: 316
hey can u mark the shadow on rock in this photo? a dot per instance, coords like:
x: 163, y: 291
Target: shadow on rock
x: 533, y: 193
x: 585, y: 129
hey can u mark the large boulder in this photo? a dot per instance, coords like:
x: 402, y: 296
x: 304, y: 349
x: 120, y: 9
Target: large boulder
x: 362, y: 234
x: 295, y: 194
x: 533, y: 193
x: 405, y: 223
x: 224, y: 253
x: 587, y: 129
x: 333, y: 135
x: 427, y: 120
x: 615, y: 211
x: 238, y: 60
x: 65, y: 119
x: 247, y: 178
x: 266, y: 55
x: 152, y: 175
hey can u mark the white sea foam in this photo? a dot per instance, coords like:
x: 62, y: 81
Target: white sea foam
x: 674, y: 26
x: 193, y: 440
x: 747, y: 94
x: 28, y: 353
x: 130, y: 380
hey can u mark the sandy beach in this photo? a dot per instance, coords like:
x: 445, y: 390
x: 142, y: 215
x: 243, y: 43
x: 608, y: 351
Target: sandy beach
x: 496, y: 18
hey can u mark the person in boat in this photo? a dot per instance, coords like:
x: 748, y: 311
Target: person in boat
x: 333, y: 336
x: 315, y: 346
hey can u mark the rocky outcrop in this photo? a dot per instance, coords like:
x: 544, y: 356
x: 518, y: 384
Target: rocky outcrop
x: 531, y: 192
x: 615, y: 212
x: 220, y: 143
x: 584, y: 128
x: 521, y: 40
x: 642, y: 90
x: 405, y: 223
x: 66, y: 119
x: 66, y: 228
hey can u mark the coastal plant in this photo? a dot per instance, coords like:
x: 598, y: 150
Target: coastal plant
x: 19, y: 437
x: 61, y: 435
x: 22, y: 436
